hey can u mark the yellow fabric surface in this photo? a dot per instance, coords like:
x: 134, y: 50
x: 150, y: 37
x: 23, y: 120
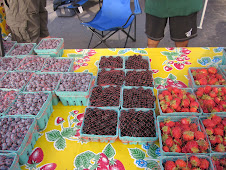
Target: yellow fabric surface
x: 64, y: 152
x: 5, y: 30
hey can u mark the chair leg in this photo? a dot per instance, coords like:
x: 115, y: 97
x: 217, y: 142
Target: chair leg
x: 135, y: 28
x: 90, y: 40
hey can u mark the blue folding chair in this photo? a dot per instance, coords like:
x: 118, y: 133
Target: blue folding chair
x: 114, y: 15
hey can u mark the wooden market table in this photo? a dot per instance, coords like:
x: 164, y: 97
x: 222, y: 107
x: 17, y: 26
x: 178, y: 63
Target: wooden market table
x: 170, y: 68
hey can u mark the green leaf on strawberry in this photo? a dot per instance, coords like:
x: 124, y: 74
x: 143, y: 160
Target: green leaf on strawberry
x: 60, y: 144
x: 153, y: 165
x: 137, y: 153
x: 158, y: 81
x: 172, y: 77
x: 109, y: 151
x: 83, y: 160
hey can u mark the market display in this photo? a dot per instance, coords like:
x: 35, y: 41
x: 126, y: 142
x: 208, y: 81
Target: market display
x: 103, y: 96
x: 137, y: 62
x: 43, y: 82
x: 208, y: 76
x: 6, y: 98
x: 212, y: 99
x: 138, y: 98
x: 28, y: 104
x: 177, y: 100
x: 100, y: 122
x: 215, y: 128
x: 8, y: 45
x: 32, y: 63
x: 15, y: 80
x: 193, y: 162
x: 75, y: 82
x: 57, y: 65
x: 142, y: 124
x: 5, y: 162
x: 9, y: 63
x: 49, y: 43
x: 110, y: 77
x: 182, y: 135
x: 22, y: 49
x: 111, y: 62
x: 139, y: 78
x: 13, y: 131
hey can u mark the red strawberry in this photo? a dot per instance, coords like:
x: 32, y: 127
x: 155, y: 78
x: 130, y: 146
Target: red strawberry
x: 178, y: 109
x: 169, y: 123
x: 166, y: 92
x: 195, y: 161
x: 207, y: 89
x: 209, y: 131
x: 199, y: 135
x: 175, y: 90
x: 199, y: 93
x: 59, y: 120
x: 168, y: 98
x: 203, y: 145
x: 223, y: 89
x: 215, y: 89
x: 220, y: 126
x: 213, y: 139
x: 169, y: 110
x: 161, y: 124
x: 103, y: 160
x: 218, y: 131
x: 188, y: 135
x: 185, y: 128
x: 208, y: 123
x: 175, y: 148
x: 191, y: 97
x: 224, y: 141
x: 160, y: 96
x: 185, y: 121
x: 170, y: 165
x: 116, y: 165
x: 215, y: 109
x: 180, y: 163
x: 178, y: 141
x: 165, y: 148
x: 164, y: 137
x: 224, y: 121
x: 204, y: 164
x: 220, y: 148
x: 192, y: 146
x: 212, y: 70
x: 169, y: 142
x: 185, y: 109
x: 202, y: 81
x: 166, y: 129
x: 194, y: 104
x: 216, y: 119
x: 212, y: 94
x: 219, y: 139
x: 203, y: 70
x: 193, y: 109
x: 174, y: 104
x: 185, y: 103
x: 212, y: 81
x: 223, y: 161
x: 193, y: 127
x: 176, y: 132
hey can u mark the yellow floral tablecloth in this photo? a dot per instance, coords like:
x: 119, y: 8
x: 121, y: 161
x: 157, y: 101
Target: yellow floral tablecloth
x: 3, y: 26
x: 57, y: 148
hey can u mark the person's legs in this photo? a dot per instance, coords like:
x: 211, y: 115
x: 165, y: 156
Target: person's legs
x: 183, y: 28
x: 154, y: 29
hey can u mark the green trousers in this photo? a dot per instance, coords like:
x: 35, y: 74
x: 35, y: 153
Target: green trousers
x: 27, y: 19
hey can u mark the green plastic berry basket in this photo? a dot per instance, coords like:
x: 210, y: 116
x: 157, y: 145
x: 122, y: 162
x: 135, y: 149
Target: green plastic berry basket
x: 194, y: 119
x: 223, y: 69
x: 136, y: 87
x: 116, y: 107
x: 55, y: 98
x: 163, y: 159
x: 21, y: 44
x: 70, y: 69
x: 11, y: 42
x: 57, y: 52
x: 2, y: 63
x: 15, y: 164
x: 199, y: 113
x: 15, y: 91
x: 108, y: 69
x: 43, y: 114
x: 201, y: 118
x: 74, y: 98
x: 218, y: 113
x: 28, y: 143
x: 19, y: 68
x: 138, y: 140
x: 191, y: 81
x: 138, y: 70
x: 224, y: 57
x: 143, y: 57
x: 22, y: 88
x: 218, y: 156
x: 2, y: 74
x: 123, y: 62
x: 100, y: 138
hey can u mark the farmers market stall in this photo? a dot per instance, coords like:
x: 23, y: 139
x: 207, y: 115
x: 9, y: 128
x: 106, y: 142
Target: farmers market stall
x: 60, y: 146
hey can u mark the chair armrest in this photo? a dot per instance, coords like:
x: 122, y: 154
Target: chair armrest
x: 129, y: 19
